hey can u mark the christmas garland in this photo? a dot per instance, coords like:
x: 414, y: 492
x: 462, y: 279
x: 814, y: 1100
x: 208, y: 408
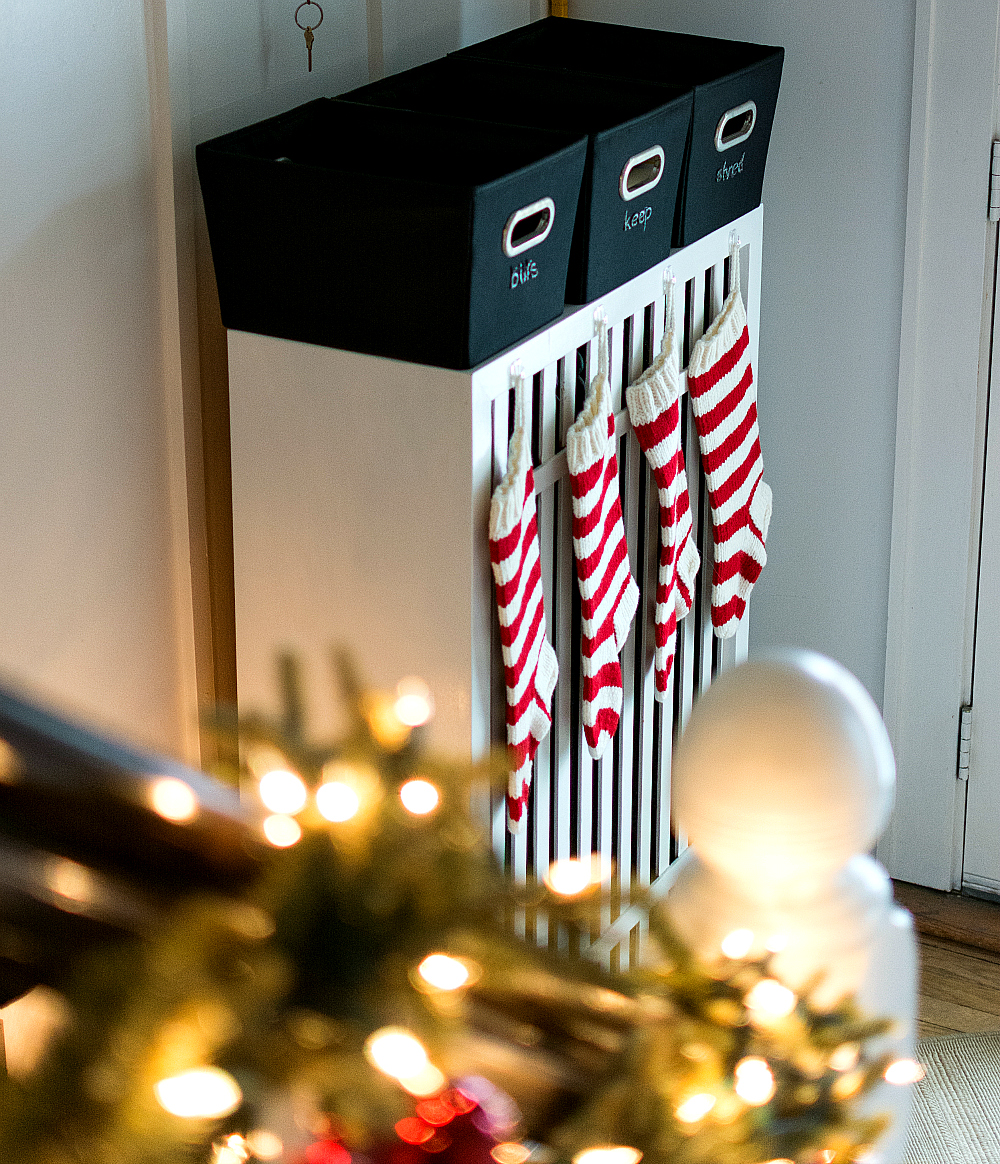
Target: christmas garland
x: 367, y: 999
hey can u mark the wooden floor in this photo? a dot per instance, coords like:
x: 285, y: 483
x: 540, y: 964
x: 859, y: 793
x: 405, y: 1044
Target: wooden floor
x: 960, y: 960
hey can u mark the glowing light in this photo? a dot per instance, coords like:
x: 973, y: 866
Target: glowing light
x: 173, y: 799
x: 337, y: 802
x: 419, y: 797
x: 847, y: 1085
x: 845, y: 1057
x: 414, y: 703
x: 413, y: 1131
x: 776, y: 943
x: 754, y: 1081
x: 234, y: 1150
x: 904, y: 1071
x: 444, y: 973
x: 429, y: 1081
x: 385, y: 724
x: 282, y: 831
x: 574, y: 875
x: 265, y: 1145
x: 282, y: 791
x: 770, y: 999
x: 827, y: 1155
x: 437, y: 1112
x: 737, y: 944
x: 510, y: 1152
x: 70, y: 880
x: 695, y: 1108
x: 396, y: 1053
x: 608, y: 1154
x: 205, y: 1093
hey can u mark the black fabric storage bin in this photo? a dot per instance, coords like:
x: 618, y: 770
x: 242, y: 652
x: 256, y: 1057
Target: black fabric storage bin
x: 424, y: 238
x: 637, y: 134
x: 735, y: 93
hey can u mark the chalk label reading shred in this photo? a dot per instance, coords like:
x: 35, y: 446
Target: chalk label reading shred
x: 724, y: 173
x: 638, y: 218
x: 523, y: 273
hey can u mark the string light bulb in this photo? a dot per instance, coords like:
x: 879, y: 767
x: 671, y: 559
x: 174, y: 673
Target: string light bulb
x: 695, y: 1108
x: 337, y: 802
x: 737, y: 943
x: 903, y: 1071
x: 444, y: 972
x: 265, y: 1145
x: 414, y: 703
x: 173, y: 799
x: 608, y: 1154
x: 769, y: 999
x: 754, y: 1081
x: 573, y: 875
x: 510, y: 1152
x: 396, y: 1053
x: 203, y: 1093
x: 427, y: 1081
x: 282, y: 791
x: 282, y: 831
x: 419, y: 797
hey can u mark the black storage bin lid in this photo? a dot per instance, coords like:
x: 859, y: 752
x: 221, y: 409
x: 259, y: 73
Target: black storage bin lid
x: 379, y: 230
x: 642, y: 54
x: 637, y: 135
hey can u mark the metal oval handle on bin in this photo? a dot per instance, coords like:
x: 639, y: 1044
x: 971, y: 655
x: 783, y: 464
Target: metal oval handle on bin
x: 641, y: 173
x: 528, y: 227
x: 735, y: 125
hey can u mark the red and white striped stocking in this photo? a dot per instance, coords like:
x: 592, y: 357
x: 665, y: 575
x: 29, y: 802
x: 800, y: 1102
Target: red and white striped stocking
x: 724, y: 401
x: 530, y: 664
x: 654, y: 407
x: 608, y: 591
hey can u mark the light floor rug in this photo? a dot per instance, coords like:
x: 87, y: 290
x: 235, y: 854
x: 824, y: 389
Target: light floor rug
x: 956, y: 1108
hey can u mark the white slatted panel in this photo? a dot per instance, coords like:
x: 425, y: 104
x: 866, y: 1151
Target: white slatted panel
x: 619, y: 806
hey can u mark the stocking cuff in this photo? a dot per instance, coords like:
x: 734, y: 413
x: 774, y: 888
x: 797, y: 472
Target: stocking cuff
x: 587, y: 438
x: 507, y: 504
x: 655, y: 391
x: 721, y: 337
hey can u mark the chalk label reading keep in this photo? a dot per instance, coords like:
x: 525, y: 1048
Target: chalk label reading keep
x: 638, y: 218
x: 523, y: 273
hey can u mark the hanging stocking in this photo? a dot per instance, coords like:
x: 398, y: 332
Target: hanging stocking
x: 530, y: 665
x: 724, y: 401
x: 607, y: 589
x: 654, y: 407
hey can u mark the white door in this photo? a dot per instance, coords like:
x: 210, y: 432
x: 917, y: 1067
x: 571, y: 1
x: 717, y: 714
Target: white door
x: 981, y: 860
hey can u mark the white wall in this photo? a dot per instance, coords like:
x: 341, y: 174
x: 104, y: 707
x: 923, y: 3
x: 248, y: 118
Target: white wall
x: 85, y: 582
x: 834, y: 223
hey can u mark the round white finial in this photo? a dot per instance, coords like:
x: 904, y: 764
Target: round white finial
x: 785, y: 770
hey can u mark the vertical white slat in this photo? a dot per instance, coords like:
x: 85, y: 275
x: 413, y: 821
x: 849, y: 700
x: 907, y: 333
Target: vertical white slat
x: 636, y: 649
x: 546, y: 506
x: 587, y: 765
x: 621, y: 745
x: 642, y: 776
x: 499, y: 807
x: 518, y: 842
x: 567, y: 650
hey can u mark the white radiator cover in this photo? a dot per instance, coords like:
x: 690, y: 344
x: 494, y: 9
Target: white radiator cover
x: 361, y: 494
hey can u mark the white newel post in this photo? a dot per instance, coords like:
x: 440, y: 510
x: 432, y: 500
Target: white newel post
x: 783, y: 781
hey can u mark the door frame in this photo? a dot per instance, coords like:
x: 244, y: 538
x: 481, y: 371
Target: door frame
x: 946, y: 316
